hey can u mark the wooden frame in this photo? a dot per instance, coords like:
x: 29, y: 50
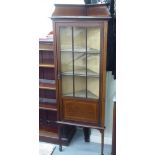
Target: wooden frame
x: 79, y: 24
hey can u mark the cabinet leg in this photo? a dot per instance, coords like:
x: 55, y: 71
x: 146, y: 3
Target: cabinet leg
x: 102, y: 141
x: 87, y: 132
x: 60, y: 134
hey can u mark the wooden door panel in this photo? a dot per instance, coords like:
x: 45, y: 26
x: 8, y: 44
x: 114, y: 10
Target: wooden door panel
x: 80, y: 110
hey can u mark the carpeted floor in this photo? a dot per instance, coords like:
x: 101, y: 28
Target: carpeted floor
x: 79, y: 147
x: 46, y: 148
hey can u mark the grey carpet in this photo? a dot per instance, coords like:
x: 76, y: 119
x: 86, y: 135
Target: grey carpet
x: 79, y: 147
x: 46, y: 148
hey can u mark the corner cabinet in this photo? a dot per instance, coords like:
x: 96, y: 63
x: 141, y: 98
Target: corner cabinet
x: 80, y: 33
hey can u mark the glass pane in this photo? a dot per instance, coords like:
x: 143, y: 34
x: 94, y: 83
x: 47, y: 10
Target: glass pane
x: 80, y: 64
x: 67, y: 85
x: 93, y: 64
x: 66, y: 63
x: 80, y: 86
x: 79, y: 39
x: 66, y: 38
x: 93, y: 87
x: 93, y: 39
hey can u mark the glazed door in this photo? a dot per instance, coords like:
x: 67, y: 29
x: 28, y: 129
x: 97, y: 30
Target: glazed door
x: 79, y: 51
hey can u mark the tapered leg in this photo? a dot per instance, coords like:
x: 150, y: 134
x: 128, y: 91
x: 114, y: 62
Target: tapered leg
x: 102, y: 141
x: 87, y: 132
x: 60, y: 142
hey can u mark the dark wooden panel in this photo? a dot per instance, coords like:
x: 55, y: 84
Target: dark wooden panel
x: 52, y: 115
x: 40, y: 57
x: 80, y: 110
x: 47, y: 57
x: 47, y: 120
x: 53, y: 137
x: 48, y: 73
x: 42, y: 119
x: 50, y: 94
x: 51, y: 121
x: 41, y: 73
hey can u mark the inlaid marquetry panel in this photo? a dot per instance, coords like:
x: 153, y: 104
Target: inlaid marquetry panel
x: 80, y: 110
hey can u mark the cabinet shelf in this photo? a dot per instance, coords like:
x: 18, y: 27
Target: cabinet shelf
x: 47, y: 65
x: 82, y: 94
x: 47, y: 104
x: 47, y: 84
x: 82, y: 50
x: 45, y: 50
x: 47, y: 101
x: 48, y: 134
x: 81, y: 72
x: 47, y: 107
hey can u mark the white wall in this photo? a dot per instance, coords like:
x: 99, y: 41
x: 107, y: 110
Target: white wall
x: 46, y: 10
x: 45, y: 23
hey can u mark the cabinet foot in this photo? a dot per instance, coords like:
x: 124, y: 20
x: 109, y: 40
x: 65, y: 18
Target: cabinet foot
x: 60, y: 141
x: 102, y: 141
x: 60, y: 148
x: 87, y: 132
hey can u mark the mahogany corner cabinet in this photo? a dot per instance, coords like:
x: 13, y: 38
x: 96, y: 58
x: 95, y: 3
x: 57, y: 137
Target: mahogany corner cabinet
x: 80, y: 44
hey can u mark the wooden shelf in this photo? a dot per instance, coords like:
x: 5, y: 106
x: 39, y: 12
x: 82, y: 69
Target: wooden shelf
x: 46, y: 87
x: 47, y: 107
x: 47, y: 101
x: 52, y: 137
x: 47, y: 84
x: 46, y: 50
x: 47, y: 65
x: 48, y: 134
x: 82, y: 72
